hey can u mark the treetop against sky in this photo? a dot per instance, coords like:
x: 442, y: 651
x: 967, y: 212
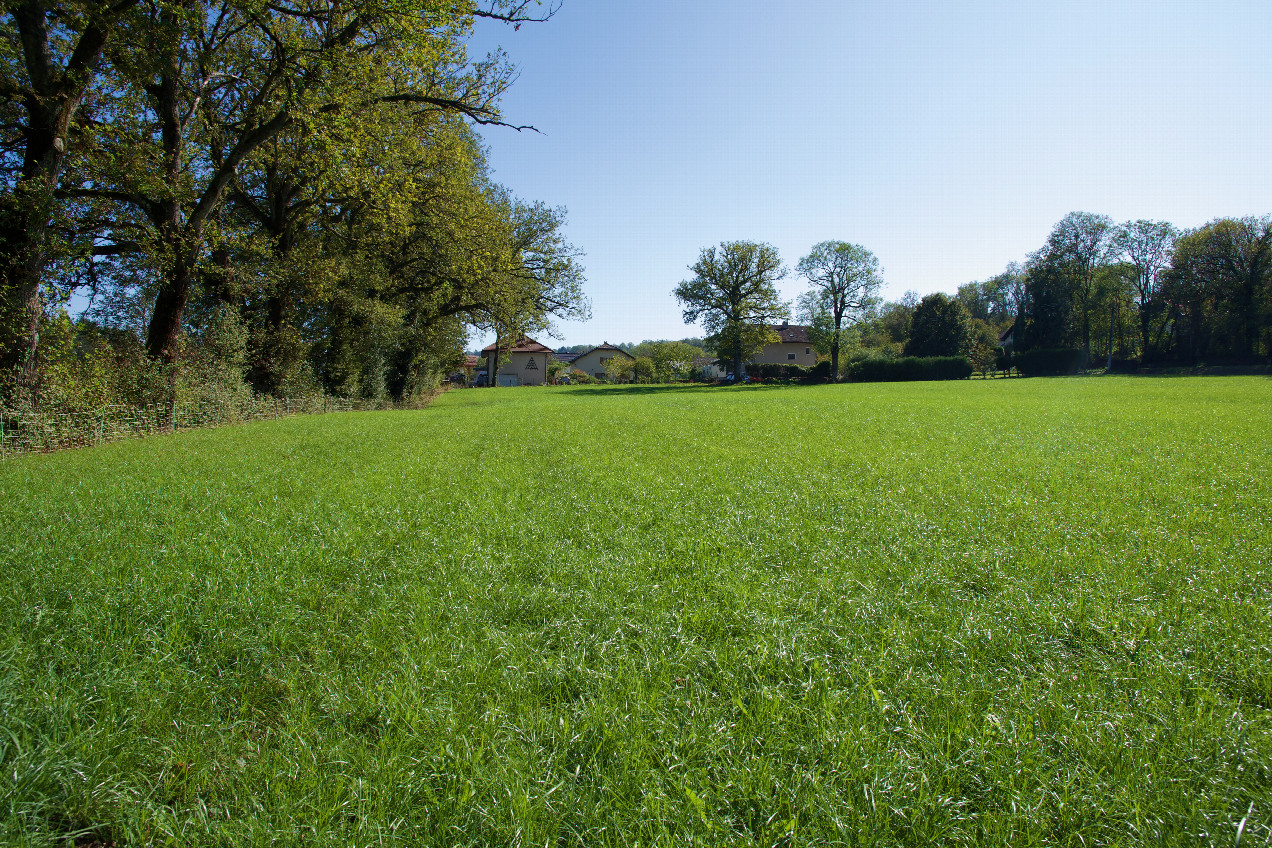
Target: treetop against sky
x: 948, y: 139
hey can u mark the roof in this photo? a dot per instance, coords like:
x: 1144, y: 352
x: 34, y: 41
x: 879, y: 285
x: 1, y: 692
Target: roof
x: 1009, y: 332
x: 606, y: 346
x: 471, y: 361
x: 565, y: 357
x: 792, y: 333
x: 523, y: 345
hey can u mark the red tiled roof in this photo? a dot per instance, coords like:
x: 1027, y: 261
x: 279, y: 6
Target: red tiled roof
x: 792, y: 333
x: 523, y: 345
x: 607, y: 346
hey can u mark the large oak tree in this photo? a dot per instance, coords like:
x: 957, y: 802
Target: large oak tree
x: 733, y: 293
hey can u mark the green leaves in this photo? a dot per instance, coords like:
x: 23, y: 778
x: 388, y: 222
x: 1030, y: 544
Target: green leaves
x: 733, y: 294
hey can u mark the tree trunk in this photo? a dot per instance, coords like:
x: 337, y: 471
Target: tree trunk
x: 1112, y: 322
x: 834, y: 355
x: 26, y: 226
x: 1144, y: 333
x: 181, y: 242
x: 164, y: 333
x: 22, y: 305
x: 53, y: 99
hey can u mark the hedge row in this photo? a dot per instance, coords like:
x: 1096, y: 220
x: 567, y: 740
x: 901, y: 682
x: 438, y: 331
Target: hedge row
x: 1050, y: 361
x: 780, y: 371
x: 910, y: 368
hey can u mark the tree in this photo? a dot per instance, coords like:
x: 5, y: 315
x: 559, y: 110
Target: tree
x: 1046, y: 310
x: 557, y: 369
x: 1080, y: 243
x: 1147, y: 246
x: 197, y: 90
x: 670, y: 360
x: 46, y: 70
x: 1221, y: 275
x: 619, y: 369
x: 846, y: 281
x: 643, y: 370
x: 940, y: 327
x: 984, y: 346
x: 733, y: 294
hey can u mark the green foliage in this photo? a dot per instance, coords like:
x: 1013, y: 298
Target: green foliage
x: 984, y: 348
x: 789, y: 372
x: 671, y: 360
x: 845, y: 280
x: 644, y: 370
x: 314, y: 171
x: 991, y: 625
x: 619, y: 369
x: 910, y: 368
x: 556, y: 369
x: 940, y: 326
x: 1220, y: 288
x: 733, y: 293
x: 1050, y: 362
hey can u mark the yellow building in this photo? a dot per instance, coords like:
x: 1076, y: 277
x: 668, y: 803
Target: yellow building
x: 593, y: 362
x: 523, y: 364
x: 793, y: 349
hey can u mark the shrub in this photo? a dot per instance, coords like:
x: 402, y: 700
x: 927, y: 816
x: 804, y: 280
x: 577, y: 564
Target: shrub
x: 1124, y: 366
x: 1004, y: 360
x: 782, y: 371
x: 1050, y: 361
x: 819, y: 372
x: 910, y: 368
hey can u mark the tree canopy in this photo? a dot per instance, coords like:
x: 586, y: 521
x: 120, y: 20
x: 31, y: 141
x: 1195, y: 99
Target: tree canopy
x: 302, y: 176
x: 940, y: 326
x: 845, y: 280
x: 733, y: 293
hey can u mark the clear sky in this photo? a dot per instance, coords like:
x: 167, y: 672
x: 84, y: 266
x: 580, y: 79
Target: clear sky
x: 946, y: 137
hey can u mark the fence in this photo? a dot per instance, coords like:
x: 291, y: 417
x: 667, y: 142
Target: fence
x: 47, y: 431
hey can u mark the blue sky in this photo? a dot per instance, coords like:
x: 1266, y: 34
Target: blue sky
x: 947, y: 138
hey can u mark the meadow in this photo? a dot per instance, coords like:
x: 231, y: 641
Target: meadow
x: 1011, y: 612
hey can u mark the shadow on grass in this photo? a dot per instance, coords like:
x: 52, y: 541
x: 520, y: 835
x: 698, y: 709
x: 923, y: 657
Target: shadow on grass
x: 1197, y: 371
x: 668, y: 388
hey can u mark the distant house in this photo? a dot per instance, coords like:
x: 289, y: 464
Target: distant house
x: 794, y: 347
x: 526, y: 363
x: 1007, y: 338
x: 593, y: 362
x: 466, y: 373
x: 708, y: 368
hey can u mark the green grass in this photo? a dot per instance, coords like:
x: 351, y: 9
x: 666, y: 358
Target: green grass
x: 1013, y: 612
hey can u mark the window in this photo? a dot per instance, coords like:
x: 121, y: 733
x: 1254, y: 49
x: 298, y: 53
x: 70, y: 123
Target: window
x: 790, y: 356
x: 808, y: 350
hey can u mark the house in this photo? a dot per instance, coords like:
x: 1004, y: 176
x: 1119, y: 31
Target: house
x: 524, y: 363
x: 794, y: 348
x: 466, y: 373
x: 593, y: 362
x: 708, y: 368
x: 1007, y: 338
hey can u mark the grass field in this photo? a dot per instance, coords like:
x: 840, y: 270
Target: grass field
x: 1012, y: 612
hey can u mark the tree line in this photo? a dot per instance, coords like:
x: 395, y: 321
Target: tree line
x: 1141, y: 292
x: 286, y: 197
